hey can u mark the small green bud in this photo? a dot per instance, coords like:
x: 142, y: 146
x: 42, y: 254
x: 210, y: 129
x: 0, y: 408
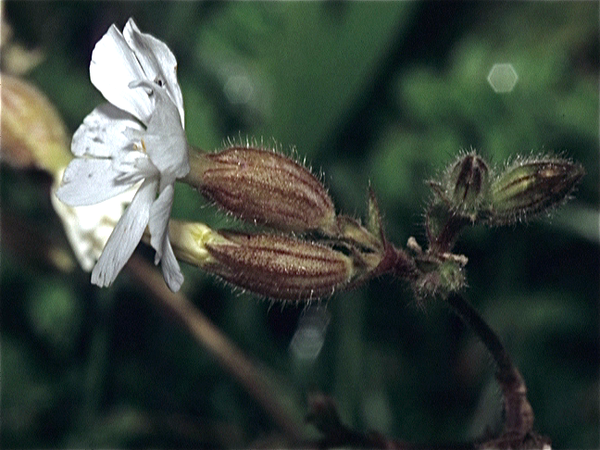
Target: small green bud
x: 532, y: 186
x: 279, y: 267
x: 464, y: 186
x: 469, y: 178
x: 264, y: 187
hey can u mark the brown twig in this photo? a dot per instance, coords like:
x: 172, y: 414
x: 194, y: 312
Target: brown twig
x: 518, y: 421
x: 211, y: 339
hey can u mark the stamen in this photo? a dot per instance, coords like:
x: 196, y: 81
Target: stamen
x: 140, y: 147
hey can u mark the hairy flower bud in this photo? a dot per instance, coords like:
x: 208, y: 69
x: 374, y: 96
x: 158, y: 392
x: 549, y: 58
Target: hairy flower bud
x: 264, y: 187
x: 532, y: 186
x: 460, y: 198
x: 469, y: 182
x: 279, y: 267
x: 464, y: 185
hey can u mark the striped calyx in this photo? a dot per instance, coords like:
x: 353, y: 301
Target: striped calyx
x: 532, y: 186
x: 279, y: 267
x: 266, y: 188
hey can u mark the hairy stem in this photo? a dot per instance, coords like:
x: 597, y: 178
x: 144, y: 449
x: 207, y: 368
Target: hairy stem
x: 447, y: 237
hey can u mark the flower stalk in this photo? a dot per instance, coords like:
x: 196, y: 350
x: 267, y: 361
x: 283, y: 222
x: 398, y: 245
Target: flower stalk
x: 519, y: 417
x: 210, y: 338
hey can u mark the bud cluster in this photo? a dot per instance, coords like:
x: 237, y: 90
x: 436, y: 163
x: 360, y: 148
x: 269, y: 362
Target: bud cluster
x: 319, y: 251
x: 470, y: 192
x: 312, y: 251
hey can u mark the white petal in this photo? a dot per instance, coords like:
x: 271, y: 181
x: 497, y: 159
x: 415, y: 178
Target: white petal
x: 114, y: 66
x: 170, y: 267
x: 158, y: 225
x: 134, y: 166
x: 165, y: 139
x: 125, y: 237
x: 87, y: 181
x: 89, y: 227
x: 160, y: 212
x: 156, y: 60
x: 75, y: 234
x: 105, y: 131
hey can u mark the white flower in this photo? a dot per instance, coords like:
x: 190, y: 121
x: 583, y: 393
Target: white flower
x: 136, y: 138
x: 89, y: 227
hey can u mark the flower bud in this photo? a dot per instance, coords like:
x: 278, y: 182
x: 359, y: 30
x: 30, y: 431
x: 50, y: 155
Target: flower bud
x: 264, y: 187
x: 464, y: 186
x: 279, y: 267
x: 469, y: 182
x: 33, y: 133
x: 532, y: 186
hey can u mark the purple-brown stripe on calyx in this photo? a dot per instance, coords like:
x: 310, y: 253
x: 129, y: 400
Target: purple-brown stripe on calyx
x: 280, y: 267
x: 267, y: 188
x: 533, y: 186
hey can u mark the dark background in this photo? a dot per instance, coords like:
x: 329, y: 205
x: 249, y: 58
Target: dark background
x: 381, y: 92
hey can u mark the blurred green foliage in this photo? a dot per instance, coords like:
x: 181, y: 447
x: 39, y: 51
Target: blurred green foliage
x: 380, y: 92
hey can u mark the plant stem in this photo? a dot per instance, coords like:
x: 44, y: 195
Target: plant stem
x: 211, y: 339
x: 518, y: 412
